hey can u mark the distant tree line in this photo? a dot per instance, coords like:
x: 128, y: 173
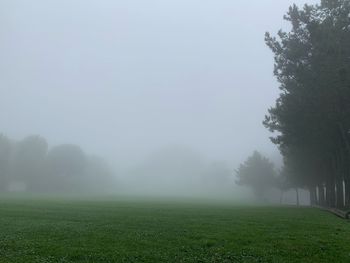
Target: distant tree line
x: 30, y: 165
x: 261, y: 175
x: 311, y: 117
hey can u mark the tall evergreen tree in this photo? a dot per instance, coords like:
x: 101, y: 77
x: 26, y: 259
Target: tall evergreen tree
x: 312, y: 114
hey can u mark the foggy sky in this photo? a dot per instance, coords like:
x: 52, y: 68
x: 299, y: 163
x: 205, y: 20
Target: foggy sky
x: 125, y: 78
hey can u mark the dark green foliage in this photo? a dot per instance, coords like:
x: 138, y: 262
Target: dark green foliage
x: 312, y: 114
x: 142, y: 231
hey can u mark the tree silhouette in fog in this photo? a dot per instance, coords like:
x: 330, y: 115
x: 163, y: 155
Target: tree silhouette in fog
x: 5, y: 160
x: 28, y: 162
x: 29, y: 165
x: 256, y: 172
x: 311, y: 118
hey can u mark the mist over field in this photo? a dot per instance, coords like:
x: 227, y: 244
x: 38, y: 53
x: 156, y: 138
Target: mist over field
x: 169, y: 96
x: 174, y: 131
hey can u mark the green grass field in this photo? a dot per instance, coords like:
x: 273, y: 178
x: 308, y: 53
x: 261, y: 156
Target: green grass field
x: 58, y: 230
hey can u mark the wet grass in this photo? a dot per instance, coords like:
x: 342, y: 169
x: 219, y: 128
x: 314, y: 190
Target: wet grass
x: 62, y: 230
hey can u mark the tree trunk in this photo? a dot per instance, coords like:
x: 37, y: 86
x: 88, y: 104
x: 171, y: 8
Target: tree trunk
x: 340, y: 193
x: 347, y: 193
x: 331, y: 182
x: 321, y: 196
x: 313, y: 197
x: 297, y: 196
x: 346, y: 159
x: 339, y: 170
x: 344, y: 133
x: 330, y: 192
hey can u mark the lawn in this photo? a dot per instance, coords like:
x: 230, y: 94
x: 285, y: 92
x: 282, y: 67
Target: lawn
x: 62, y: 230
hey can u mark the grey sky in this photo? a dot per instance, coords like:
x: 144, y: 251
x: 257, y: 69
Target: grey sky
x: 124, y: 78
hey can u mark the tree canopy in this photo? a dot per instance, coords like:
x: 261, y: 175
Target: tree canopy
x: 63, y: 168
x: 256, y: 172
x: 311, y: 118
